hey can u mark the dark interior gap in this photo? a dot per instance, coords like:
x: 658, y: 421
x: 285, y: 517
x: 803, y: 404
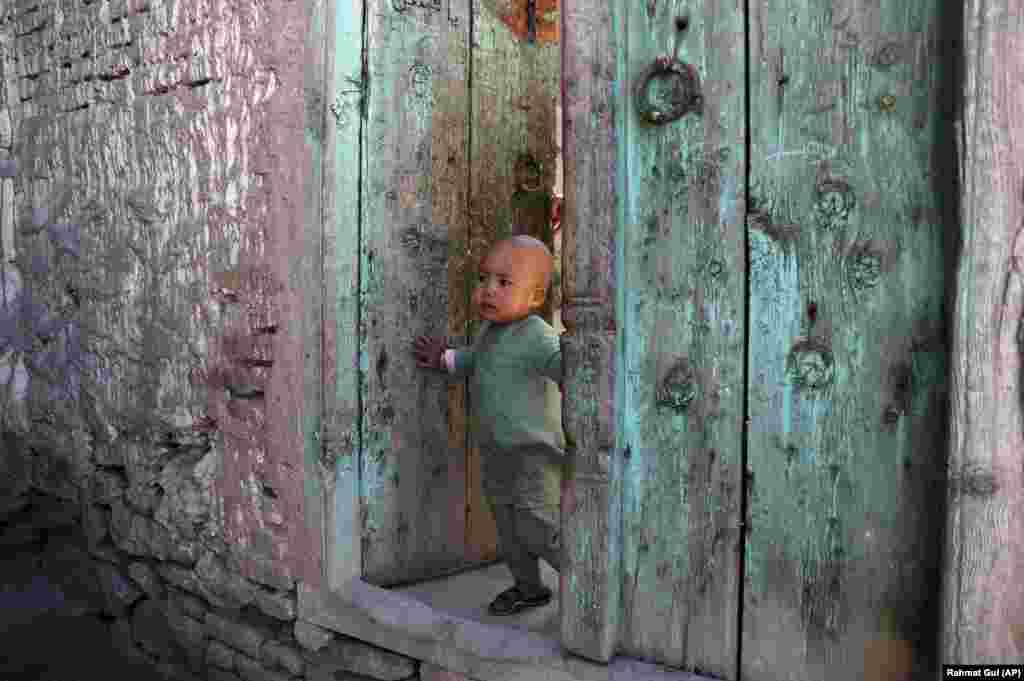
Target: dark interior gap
x: 744, y: 529
x: 466, y: 293
x: 364, y: 105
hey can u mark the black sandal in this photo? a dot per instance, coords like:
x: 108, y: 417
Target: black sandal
x: 512, y: 600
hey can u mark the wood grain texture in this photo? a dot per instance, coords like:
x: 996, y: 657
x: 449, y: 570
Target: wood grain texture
x: 983, y: 604
x: 590, y: 582
x: 338, y: 469
x: 684, y: 305
x: 515, y: 92
x: 848, y: 351
x: 413, y: 189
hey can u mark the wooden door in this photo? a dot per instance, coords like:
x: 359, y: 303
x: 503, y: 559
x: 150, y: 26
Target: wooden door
x: 443, y: 140
x: 849, y: 206
x: 757, y: 333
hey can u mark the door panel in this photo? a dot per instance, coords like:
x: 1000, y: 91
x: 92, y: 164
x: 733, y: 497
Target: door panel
x: 340, y: 473
x: 684, y: 305
x: 847, y: 340
x: 414, y: 181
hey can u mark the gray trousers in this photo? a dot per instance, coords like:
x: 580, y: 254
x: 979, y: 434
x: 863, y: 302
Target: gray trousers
x: 524, y: 535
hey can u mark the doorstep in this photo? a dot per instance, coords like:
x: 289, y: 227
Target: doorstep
x: 483, y: 651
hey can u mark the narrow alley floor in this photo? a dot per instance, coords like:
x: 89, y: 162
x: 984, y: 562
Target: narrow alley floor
x: 43, y: 639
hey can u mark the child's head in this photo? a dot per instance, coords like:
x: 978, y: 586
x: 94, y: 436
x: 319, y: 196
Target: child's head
x: 514, y: 279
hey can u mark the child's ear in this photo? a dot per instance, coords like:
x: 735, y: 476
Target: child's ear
x: 539, y: 294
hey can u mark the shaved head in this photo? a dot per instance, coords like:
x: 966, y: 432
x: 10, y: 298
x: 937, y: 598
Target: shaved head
x: 541, y: 262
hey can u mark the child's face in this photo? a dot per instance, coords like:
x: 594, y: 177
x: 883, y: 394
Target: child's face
x: 510, y: 285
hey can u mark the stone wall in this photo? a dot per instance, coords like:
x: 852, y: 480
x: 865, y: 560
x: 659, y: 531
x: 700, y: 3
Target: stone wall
x: 142, y: 182
x: 178, y: 604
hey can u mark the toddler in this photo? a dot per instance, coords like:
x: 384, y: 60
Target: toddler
x: 516, y: 411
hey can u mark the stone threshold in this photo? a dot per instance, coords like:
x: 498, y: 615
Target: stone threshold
x: 481, y: 651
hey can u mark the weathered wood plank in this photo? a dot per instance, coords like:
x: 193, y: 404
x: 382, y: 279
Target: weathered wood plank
x: 983, y: 603
x: 847, y: 339
x: 413, y: 197
x: 338, y: 471
x: 514, y: 97
x: 684, y: 304
x: 590, y: 582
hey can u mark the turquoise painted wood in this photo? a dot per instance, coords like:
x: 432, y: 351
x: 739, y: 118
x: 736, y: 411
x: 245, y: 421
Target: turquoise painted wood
x: 831, y: 430
x: 590, y: 579
x: 683, y: 304
x: 847, y: 344
x: 413, y: 157
x: 337, y: 474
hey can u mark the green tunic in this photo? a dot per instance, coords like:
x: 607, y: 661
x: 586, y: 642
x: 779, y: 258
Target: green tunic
x: 516, y: 407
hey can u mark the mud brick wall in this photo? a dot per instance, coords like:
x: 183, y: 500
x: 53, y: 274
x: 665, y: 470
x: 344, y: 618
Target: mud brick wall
x: 157, y: 181
x: 157, y: 173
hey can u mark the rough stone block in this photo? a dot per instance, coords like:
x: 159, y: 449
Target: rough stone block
x: 15, y: 474
x: 124, y: 643
x: 151, y: 631
x: 107, y: 487
x: 278, y: 655
x: 188, y: 481
x: 238, y: 635
x: 143, y: 496
x: 173, y: 671
x: 6, y: 136
x: 311, y: 637
x: 219, y: 655
x: 269, y: 573
x: 189, y: 604
x: 431, y: 672
x: 106, y: 553
x: 215, y: 674
x: 188, y: 632
x: 351, y: 655
x: 183, y: 578
x: 109, y: 454
x: 58, y: 469
x: 96, y: 524
x: 140, y: 536
x: 119, y: 592
x: 251, y: 670
x: 222, y: 583
x: 147, y: 579
x: 280, y: 606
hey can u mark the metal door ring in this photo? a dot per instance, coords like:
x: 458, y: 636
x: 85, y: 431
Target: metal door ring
x: 686, y: 95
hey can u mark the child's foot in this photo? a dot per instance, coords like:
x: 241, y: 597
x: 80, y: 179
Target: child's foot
x: 513, y: 600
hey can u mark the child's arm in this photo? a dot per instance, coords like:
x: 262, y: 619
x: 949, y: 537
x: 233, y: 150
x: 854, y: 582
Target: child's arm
x: 547, y: 358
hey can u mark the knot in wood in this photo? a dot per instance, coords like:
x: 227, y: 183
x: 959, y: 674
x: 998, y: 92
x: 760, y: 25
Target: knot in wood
x: 864, y: 269
x: 887, y: 55
x: 678, y: 388
x: 834, y: 205
x: 810, y: 365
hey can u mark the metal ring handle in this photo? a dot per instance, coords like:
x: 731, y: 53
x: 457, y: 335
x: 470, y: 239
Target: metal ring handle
x: 686, y: 95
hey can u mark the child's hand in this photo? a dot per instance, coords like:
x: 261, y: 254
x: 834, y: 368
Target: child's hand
x: 428, y: 352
